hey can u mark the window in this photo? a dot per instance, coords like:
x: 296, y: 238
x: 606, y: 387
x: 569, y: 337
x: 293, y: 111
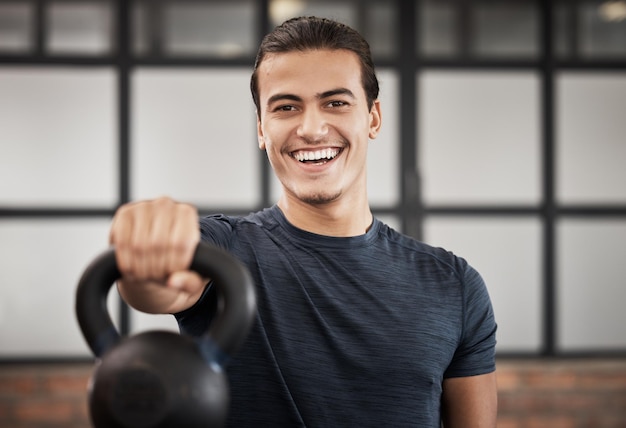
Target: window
x: 502, y: 140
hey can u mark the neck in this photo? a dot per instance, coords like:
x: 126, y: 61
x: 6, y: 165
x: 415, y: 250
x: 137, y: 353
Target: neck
x: 339, y: 218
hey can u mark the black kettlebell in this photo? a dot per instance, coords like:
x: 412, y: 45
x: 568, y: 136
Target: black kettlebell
x: 160, y: 378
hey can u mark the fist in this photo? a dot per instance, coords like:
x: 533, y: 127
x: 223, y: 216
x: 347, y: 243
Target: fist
x: 154, y: 239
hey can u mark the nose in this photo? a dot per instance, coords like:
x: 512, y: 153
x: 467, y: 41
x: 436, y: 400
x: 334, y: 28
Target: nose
x: 313, y: 126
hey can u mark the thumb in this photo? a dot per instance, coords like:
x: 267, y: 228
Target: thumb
x: 187, y: 281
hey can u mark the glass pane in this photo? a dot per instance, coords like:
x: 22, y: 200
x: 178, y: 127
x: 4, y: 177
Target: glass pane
x: 194, y: 137
x: 479, y: 137
x: 564, y: 13
x: 140, y: 321
x: 16, y: 32
x: 223, y: 29
x: 590, y: 137
x: 602, y: 29
x: 383, y: 169
x: 41, y: 262
x: 342, y: 11
x: 58, y: 139
x: 140, y: 28
x: 505, y: 29
x: 84, y: 28
x: 437, y: 25
x: 507, y: 254
x: 375, y: 19
x: 380, y: 27
x: 591, y: 276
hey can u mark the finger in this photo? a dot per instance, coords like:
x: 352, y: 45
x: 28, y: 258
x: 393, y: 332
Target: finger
x: 185, y: 236
x: 163, y: 220
x: 120, y: 236
x: 141, y: 242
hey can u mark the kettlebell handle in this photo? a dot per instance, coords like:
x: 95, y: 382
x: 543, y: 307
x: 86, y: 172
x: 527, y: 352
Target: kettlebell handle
x: 227, y: 331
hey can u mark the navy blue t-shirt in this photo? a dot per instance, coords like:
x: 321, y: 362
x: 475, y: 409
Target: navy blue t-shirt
x: 357, y: 331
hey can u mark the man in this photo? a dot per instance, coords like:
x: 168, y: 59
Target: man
x: 357, y: 325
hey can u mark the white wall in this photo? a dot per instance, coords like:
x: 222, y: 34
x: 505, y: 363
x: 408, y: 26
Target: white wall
x: 193, y: 137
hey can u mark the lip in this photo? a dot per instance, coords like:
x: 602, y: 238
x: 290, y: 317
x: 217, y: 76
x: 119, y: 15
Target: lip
x: 316, y: 166
x: 310, y: 153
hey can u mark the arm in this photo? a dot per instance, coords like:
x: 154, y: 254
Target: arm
x: 470, y: 402
x: 470, y: 394
x: 154, y: 244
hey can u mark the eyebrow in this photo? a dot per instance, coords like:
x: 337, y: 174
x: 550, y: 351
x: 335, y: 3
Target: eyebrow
x: 320, y: 96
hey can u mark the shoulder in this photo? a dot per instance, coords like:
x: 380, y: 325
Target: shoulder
x: 429, y: 258
x: 220, y: 229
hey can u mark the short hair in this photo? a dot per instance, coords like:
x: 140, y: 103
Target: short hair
x: 311, y: 33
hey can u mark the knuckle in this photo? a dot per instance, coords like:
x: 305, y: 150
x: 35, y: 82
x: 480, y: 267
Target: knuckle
x: 179, y: 247
x: 154, y: 244
x: 122, y: 265
x: 138, y: 249
x: 186, y: 210
x: 162, y: 202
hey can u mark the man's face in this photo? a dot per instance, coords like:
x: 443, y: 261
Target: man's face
x: 315, y: 124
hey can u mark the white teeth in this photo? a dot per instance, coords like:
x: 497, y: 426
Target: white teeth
x: 316, y: 155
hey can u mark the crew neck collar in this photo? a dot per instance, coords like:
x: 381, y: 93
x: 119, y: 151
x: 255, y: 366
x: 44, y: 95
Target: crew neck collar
x: 325, y: 240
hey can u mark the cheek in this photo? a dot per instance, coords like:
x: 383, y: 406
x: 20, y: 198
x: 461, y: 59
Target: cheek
x: 268, y: 144
x: 271, y: 150
x: 272, y: 137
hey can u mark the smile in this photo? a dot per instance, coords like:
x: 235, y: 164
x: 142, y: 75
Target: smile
x: 322, y: 155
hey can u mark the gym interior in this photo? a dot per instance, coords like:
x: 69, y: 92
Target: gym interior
x: 503, y: 139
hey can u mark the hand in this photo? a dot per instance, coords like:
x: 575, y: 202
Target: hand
x: 154, y: 242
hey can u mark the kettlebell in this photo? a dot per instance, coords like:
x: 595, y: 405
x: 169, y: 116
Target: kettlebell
x: 161, y: 378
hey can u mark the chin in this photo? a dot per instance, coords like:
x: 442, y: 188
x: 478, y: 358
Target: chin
x: 320, y: 198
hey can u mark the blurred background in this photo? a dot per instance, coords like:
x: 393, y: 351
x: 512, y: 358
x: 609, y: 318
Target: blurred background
x: 503, y: 140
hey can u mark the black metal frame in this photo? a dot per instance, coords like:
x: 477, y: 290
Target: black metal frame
x: 411, y: 209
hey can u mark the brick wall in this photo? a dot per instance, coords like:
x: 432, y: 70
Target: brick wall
x: 532, y: 394
x: 562, y: 393
x: 44, y: 395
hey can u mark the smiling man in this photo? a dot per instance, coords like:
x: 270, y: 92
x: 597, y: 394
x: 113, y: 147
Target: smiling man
x: 315, y: 122
x: 357, y: 324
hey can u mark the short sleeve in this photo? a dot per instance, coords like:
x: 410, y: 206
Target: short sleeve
x: 216, y: 229
x: 194, y: 321
x: 475, y: 354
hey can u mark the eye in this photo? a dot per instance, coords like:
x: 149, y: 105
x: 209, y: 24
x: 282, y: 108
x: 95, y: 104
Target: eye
x: 337, y: 103
x: 285, y: 107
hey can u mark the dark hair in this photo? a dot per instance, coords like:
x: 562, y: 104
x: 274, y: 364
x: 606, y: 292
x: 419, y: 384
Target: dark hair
x: 310, y: 33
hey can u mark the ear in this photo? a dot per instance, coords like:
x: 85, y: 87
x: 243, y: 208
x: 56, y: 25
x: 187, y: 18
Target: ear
x: 375, y: 119
x: 259, y: 133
